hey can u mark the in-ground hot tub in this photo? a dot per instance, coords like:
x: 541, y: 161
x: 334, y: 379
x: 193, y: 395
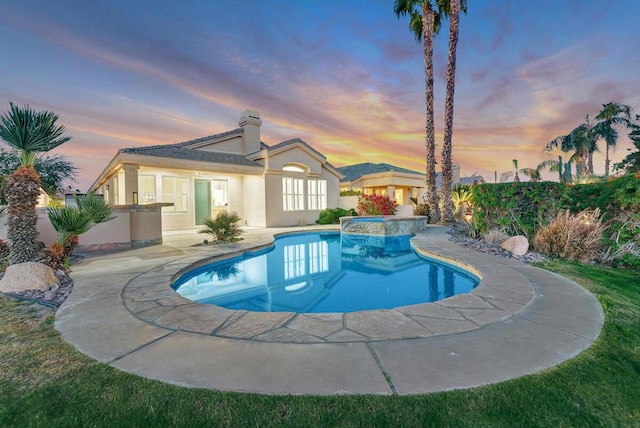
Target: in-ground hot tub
x: 383, y: 225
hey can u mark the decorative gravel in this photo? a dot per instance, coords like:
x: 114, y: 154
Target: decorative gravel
x: 459, y: 236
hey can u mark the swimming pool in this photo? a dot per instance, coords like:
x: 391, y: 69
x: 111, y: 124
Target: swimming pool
x: 325, y: 272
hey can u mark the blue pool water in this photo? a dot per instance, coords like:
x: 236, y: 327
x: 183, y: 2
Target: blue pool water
x: 325, y: 272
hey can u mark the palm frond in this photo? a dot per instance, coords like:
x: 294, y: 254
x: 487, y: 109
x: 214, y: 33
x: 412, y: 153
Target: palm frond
x: 30, y: 131
x: 99, y: 210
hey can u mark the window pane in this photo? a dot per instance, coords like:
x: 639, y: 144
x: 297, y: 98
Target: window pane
x: 147, y: 189
x: 176, y: 190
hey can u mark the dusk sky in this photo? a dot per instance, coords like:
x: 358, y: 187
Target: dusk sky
x: 345, y: 76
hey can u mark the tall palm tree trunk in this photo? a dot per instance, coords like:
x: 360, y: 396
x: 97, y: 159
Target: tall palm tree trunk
x: 606, y: 161
x: 23, y: 189
x: 447, y: 213
x: 428, y: 16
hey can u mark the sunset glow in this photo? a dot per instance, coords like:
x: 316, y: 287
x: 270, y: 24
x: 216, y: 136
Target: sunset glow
x: 346, y: 77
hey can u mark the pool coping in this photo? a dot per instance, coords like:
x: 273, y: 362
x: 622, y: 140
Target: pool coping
x: 150, y: 298
x: 560, y: 321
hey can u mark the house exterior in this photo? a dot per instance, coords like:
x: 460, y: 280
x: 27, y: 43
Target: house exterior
x: 268, y: 186
x: 399, y: 183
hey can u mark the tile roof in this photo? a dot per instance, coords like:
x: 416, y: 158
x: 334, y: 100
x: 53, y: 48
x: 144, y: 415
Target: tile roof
x: 174, y: 151
x: 294, y: 141
x: 354, y: 172
x: 181, y: 151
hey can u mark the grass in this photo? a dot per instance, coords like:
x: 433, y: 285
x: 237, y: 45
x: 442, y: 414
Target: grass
x: 45, y: 382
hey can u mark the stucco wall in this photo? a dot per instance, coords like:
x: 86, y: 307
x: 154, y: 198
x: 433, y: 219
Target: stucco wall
x: 254, y: 201
x: 140, y: 225
x: 276, y: 216
x: 298, y: 156
x: 348, y: 202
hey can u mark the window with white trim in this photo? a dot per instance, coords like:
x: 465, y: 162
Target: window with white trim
x: 176, y: 190
x: 292, y: 194
x: 316, y: 194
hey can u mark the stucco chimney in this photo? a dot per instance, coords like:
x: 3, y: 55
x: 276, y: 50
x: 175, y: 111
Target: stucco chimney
x: 455, y: 174
x: 250, y: 123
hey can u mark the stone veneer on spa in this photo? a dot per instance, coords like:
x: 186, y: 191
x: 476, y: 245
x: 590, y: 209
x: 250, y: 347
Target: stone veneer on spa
x: 383, y: 225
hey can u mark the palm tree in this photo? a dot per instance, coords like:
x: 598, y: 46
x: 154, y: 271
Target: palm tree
x: 424, y: 21
x: 611, y: 114
x: 583, y: 141
x: 452, y: 9
x: 29, y: 132
x: 54, y: 170
x: 535, y: 174
x: 507, y: 175
x: 631, y: 163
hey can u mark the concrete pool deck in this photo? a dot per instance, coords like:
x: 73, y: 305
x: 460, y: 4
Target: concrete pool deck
x: 518, y: 321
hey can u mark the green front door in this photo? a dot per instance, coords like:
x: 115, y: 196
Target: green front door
x: 202, y: 190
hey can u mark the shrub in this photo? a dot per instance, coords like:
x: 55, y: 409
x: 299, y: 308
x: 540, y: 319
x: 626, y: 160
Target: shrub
x: 376, y: 205
x: 332, y: 215
x: 622, y: 243
x: 494, y: 236
x: 224, y: 228
x: 349, y: 193
x: 421, y: 209
x: 613, y: 196
x: 518, y: 208
x: 572, y: 236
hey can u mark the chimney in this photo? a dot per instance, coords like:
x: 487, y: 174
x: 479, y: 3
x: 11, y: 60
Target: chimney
x: 455, y: 174
x: 250, y: 123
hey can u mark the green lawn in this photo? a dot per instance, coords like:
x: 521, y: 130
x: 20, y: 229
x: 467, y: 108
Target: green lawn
x: 45, y: 382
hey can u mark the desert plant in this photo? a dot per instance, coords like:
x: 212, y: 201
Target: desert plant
x: 54, y: 256
x: 572, y: 236
x: 473, y: 228
x: 72, y: 221
x: 376, y: 205
x: 494, y: 236
x: 30, y: 133
x: 461, y: 197
x: 224, y: 228
x: 332, y: 215
x: 421, y: 209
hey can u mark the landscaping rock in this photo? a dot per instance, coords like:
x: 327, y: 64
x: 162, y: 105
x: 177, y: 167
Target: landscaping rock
x: 516, y: 245
x: 27, y: 276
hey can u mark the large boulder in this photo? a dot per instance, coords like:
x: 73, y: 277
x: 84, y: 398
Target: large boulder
x: 27, y: 276
x: 516, y: 245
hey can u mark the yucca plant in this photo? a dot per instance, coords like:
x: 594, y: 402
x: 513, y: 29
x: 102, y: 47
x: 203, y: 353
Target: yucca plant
x: 461, y: 197
x: 224, y: 227
x: 31, y: 133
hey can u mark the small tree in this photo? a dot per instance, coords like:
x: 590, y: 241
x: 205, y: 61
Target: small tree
x: 224, y: 228
x: 30, y: 133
